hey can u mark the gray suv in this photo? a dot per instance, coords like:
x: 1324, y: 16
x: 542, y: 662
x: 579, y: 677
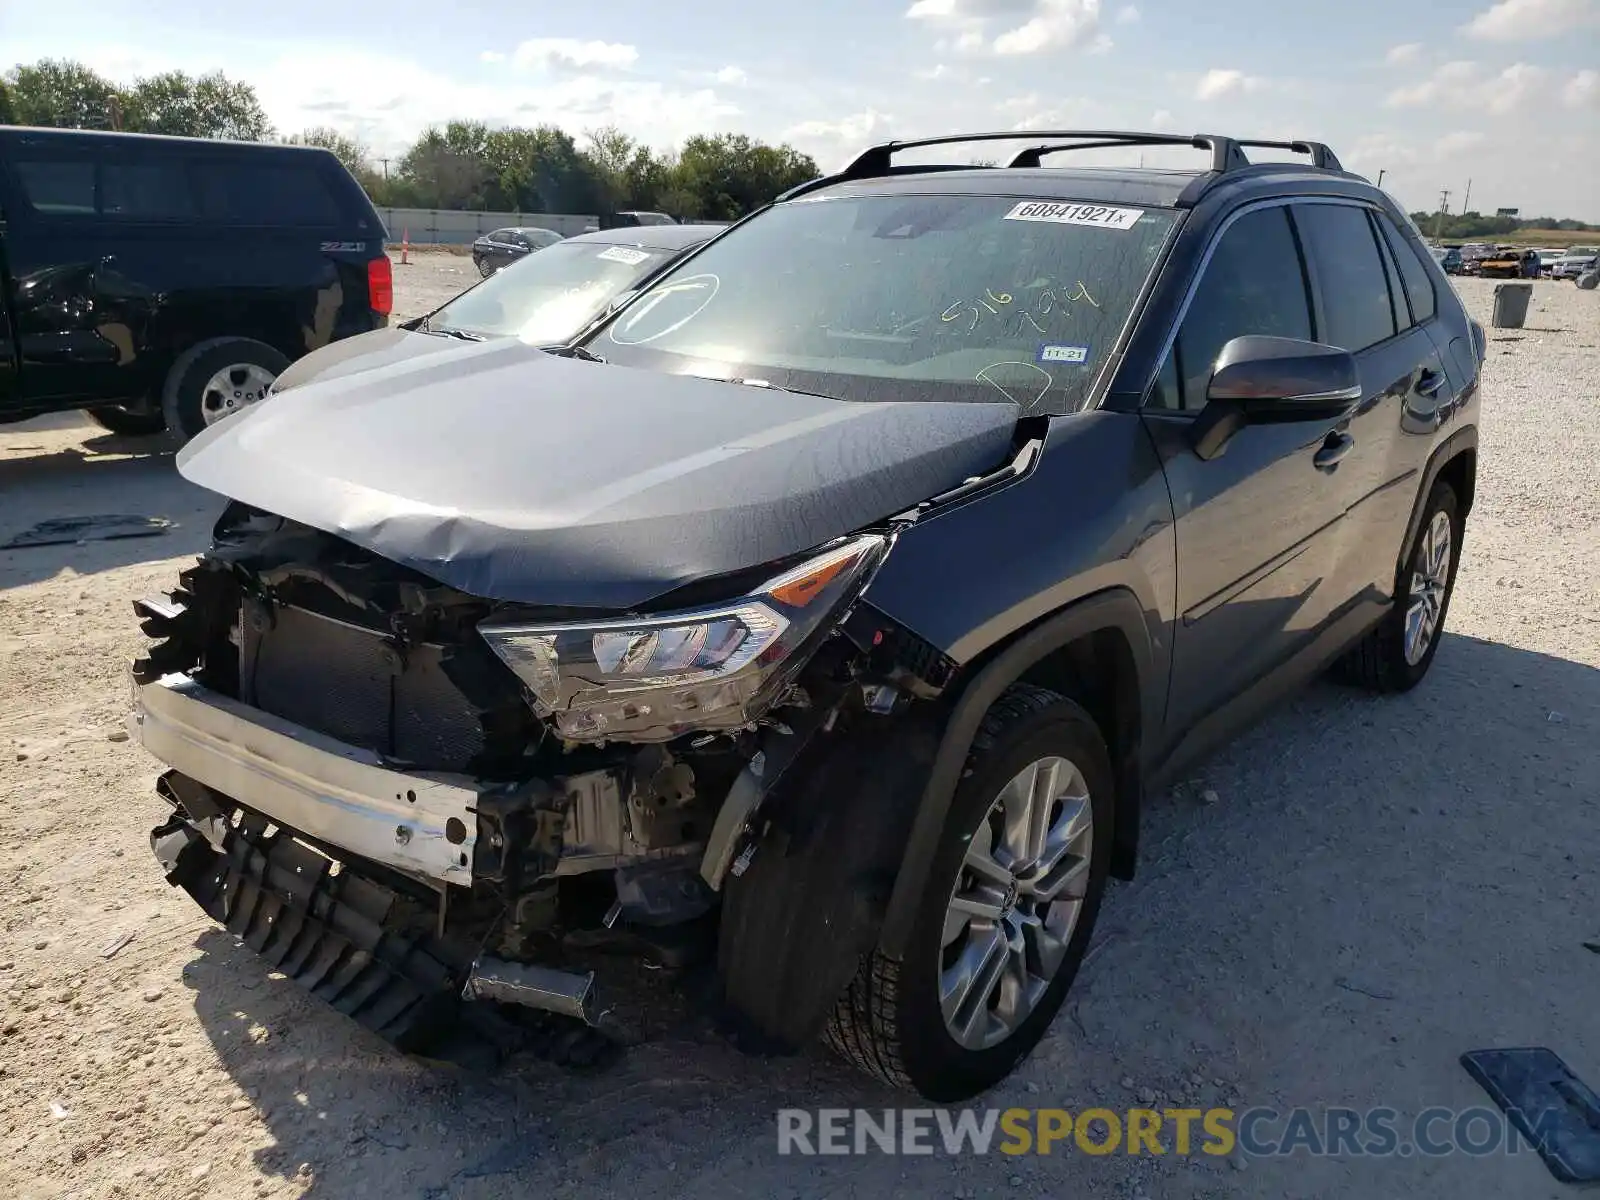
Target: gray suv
x: 825, y: 615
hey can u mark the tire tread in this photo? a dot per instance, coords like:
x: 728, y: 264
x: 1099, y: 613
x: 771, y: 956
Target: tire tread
x: 863, y: 1027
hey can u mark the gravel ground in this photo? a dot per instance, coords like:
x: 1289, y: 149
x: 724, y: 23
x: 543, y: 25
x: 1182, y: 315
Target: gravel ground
x: 1340, y: 904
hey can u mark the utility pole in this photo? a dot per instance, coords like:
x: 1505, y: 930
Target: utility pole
x: 1466, y: 201
x: 385, y: 163
x: 1380, y: 177
x: 1444, y: 211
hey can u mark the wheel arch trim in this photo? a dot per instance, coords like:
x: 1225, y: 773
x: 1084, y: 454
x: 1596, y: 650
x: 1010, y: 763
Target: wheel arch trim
x: 1113, y: 609
x: 1461, y: 442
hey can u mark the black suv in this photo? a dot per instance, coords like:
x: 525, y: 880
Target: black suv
x: 165, y: 282
x: 828, y: 611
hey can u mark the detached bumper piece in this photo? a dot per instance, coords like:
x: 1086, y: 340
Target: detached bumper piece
x: 337, y: 935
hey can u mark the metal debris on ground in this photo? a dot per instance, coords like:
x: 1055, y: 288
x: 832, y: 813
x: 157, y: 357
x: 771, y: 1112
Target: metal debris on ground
x: 70, y: 531
x: 116, y: 944
x: 1551, y: 1107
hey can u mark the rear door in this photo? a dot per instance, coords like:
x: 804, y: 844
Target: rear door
x: 1362, y: 306
x: 8, y: 342
x: 1257, y: 526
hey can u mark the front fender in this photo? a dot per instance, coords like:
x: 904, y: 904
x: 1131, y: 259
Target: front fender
x: 1117, y: 609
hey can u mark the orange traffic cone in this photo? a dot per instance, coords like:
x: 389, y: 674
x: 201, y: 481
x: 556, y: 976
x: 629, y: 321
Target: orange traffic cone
x: 405, y: 247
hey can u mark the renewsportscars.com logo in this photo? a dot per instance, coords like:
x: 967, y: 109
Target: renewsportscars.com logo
x: 1257, y: 1132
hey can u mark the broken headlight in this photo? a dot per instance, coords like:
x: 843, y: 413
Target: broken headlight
x: 711, y: 668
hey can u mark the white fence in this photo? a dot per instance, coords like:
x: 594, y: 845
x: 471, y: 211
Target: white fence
x: 435, y: 226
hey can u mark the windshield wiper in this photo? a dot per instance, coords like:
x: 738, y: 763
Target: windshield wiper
x: 582, y: 352
x: 768, y: 385
x: 465, y: 335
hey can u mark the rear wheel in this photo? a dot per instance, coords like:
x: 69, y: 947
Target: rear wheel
x: 128, y: 424
x: 485, y: 267
x: 1397, y: 653
x: 1000, y: 933
x: 217, y: 379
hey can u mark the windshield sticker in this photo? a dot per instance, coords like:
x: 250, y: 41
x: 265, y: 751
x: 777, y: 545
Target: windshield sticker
x: 624, y: 254
x: 665, y: 309
x: 1075, y: 214
x: 1076, y: 355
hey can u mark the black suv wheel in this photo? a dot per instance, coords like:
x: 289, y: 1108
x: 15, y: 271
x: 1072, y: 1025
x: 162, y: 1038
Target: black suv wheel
x: 1017, y: 882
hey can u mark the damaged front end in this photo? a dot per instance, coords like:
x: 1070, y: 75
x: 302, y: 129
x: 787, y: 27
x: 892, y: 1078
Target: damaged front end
x: 404, y: 796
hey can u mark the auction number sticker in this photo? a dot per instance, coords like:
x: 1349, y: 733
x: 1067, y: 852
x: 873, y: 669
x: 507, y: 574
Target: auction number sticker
x: 624, y: 254
x: 1075, y: 214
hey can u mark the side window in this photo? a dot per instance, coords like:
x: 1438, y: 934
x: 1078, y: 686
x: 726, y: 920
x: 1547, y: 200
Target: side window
x: 57, y: 186
x: 1354, y: 286
x: 150, y: 191
x: 1418, y: 281
x: 1398, y: 309
x: 500, y: 235
x: 1254, y: 283
x: 237, y: 192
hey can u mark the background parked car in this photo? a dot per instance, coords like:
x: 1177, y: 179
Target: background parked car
x: 505, y: 246
x: 633, y: 218
x: 1576, y: 261
x: 546, y: 300
x: 165, y: 282
x: 1448, y: 258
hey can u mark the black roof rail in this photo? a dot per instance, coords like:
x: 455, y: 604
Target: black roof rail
x: 1227, y: 154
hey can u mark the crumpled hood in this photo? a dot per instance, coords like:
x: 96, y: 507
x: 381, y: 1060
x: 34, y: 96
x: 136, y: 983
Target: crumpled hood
x: 378, y: 348
x: 517, y: 475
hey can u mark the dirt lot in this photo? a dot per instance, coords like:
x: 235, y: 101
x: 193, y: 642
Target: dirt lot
x: 1351, y: 896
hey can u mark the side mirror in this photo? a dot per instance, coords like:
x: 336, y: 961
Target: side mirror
x: 1259, y: 379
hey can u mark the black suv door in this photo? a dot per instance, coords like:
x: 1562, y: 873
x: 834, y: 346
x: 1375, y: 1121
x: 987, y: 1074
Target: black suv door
x: 1258, y: 526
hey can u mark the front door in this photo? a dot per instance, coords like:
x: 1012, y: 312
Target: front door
x: 1258, y: 525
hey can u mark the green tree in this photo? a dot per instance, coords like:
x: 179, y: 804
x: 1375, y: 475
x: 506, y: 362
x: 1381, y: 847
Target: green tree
x: 210, y: 106
x: 63, y: 95
x: 7, y: 115
x: 448, y: 168
x: 729, y: 175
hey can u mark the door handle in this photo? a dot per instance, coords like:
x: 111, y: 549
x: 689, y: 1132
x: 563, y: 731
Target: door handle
x: 1430, y: 383
x: 1334, y: 447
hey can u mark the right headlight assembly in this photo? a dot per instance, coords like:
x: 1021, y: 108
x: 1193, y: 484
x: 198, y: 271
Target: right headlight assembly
x: 654, y: 677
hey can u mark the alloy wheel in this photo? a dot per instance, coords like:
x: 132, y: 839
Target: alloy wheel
x: 1430, y: 577
x: 1015, y: 902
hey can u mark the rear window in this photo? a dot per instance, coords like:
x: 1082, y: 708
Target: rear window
x: 276, y: 193
x: 228, y: 188
x: 57, y: 185
x: 963, y: 298
x: 152, y: 191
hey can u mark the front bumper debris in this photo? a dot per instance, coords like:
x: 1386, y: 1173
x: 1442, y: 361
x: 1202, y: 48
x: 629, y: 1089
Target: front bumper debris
x: 338, y: 935
x: 424, y: 825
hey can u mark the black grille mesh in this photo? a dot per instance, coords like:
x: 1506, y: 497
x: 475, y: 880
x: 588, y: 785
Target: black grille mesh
x: 352, y: 684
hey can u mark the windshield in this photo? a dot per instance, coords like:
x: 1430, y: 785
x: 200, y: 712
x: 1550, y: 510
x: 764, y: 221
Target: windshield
x: 904, y: 298
x: 548, y: 297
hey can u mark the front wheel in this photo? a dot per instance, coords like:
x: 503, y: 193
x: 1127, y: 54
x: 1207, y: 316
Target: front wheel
x: 1014, y: 890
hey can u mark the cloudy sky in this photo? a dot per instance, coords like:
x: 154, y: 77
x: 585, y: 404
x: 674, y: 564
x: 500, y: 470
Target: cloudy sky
x: 1505, y: 93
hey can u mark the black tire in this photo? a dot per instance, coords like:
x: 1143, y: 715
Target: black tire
x: 183, y: 398
x: 889, y: 1022
x: 128, y: 424
x: 1378, y: 661
x: 484, y: 269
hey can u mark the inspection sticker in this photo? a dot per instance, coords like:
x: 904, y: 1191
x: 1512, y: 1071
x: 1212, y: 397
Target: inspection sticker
x: 625, y: 254
x: 1075, y: 214
x: 1063, y: 354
